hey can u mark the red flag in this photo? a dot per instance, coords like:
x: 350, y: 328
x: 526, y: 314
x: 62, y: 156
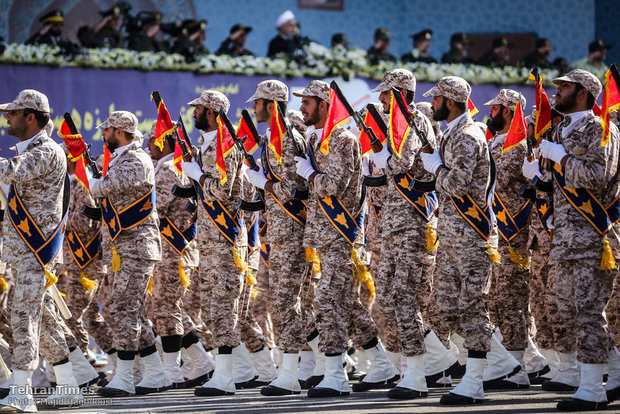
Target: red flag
x: 224, y: 145
x: 244, y: 131
x: 597, y: 109
x: 76, y: 147
x: 543, y: 108
x: 370, y: 122
x: 164, y: 125
x: 611, y: 100
x: 488, y: 134
x: 398, y: 127
x: 472, y: 108
x: 107, y: 156
x: 517, y: 131
x: 337, y: 115
x: 278, y: 129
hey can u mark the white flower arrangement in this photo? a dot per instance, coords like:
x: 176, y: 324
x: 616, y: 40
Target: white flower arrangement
x: 319, y: 62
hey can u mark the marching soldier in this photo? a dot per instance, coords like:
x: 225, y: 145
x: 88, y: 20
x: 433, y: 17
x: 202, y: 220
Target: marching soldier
x: 584, y: 180
x: 36, y: 212
x: 462, y: 164
x: 404, y: 277
x: 286, y: 218
x: 509, y: 298
x: 129, y: 214
x: 334, y: 167
x: 222, y: 242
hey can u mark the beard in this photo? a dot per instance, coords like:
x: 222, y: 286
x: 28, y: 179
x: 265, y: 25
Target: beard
x: 201, y: 122
x: 441, y: 113
x: 313, y: 117
x: 497, y: 122
x: 567, y: 103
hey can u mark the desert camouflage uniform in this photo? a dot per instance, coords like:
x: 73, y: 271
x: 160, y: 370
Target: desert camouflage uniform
x: 39, y: 173
x: 130, y: 176
x: 576, y: 247
x: 169, y: 317
x: 192, y: 307
x: 337, y: 306
x: 261, y: 305
x: 405, y: 273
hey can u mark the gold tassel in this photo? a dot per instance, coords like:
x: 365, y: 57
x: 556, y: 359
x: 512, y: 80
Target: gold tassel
x: 493, y: 254
x: 241, y: 265
x: 363, y: 275
x: 316, y: 265
x: 521, y: 260
x: 86, y: 282
x: 310, y: 254
x: 116, y: 260
x: 431, y: 237
x: 3, y: 285
x: 51, y: 278
x: 607, y: 259
x: 63, y: 294
x: 185, y: 281
x: 149, y: 287
x: 250, y: 280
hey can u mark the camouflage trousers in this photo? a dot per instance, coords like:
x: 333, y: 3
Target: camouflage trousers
x: 260, y: 305
x: 509, y: 296
x: 35, y: 321
x: 129, y: 321
x: 192, y: 308
x: 221, y: 285
x: 403, y: 284
x: 612, y: 311
x: 338, y: 310
x: 168, y: 293
x: 543, y: 303
x: 582, y: 293
x: 287, y: 267
x: 5, y: 309
x: 463, y: 276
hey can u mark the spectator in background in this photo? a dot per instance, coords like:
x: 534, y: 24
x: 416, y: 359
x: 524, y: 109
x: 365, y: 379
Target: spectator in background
x: 595, y: 61
x: 421, y: 46
x: 288, y: 40
x: 143, y: 33
x: 458, y: 50
x: 50, y: 33
x: 339, y: 42
x: 539, y: 56
x: 190, y: 40
x: 379, y: 50
x: 498, y: 55
x: 234, y: 44
x: 106, y: 33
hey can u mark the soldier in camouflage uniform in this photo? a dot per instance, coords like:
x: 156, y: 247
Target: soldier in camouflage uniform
x: 222, y: 255
x: 174, y: 271
x: 37, y: 174
x: 583, y: 290
x: 404, y: 277
x: 509, y: 299
x: 130, y: 181
x: 287, y: 258
x: 336, y: 174
x: 462, y: 164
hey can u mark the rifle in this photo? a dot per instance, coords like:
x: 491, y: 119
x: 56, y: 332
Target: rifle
x: 424, y: 186
x: 299, y: 150
x: 192, y: 191
x: 258, y: 204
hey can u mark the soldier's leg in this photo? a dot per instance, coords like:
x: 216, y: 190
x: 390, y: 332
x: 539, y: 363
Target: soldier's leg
x: 78, y: 299
x: 260, y: 304
x: 612, y: 311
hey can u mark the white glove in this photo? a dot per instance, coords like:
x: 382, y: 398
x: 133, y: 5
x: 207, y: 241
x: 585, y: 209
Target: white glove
x: 552, y: 151
x: 257, y: 178
x: 536, y: 151
x: 431, y: 161
x: 304, y: 167
x: 550, y: 222
x: 192, y: 170
x: 380, y: 158
x: 366, y: 165
x: 531, y: 169
x: 93, y: 183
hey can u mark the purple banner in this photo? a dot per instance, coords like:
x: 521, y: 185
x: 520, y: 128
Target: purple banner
x: 91, y: 94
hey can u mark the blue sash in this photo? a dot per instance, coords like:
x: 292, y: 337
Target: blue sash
x: 44, y: 248
x: 227, y: 224
x: 253, y: 233
x: 82, y: 253
x: 294, y: 208
x: 541, y: 209
x: 264, y: 254
x: 129, y: 217
x: 424, y: 203
x: 507, y: 224
x: 176, y: 238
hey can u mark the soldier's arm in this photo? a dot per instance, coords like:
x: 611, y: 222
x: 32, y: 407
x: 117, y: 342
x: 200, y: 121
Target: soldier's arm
x: 29, y: 165
x: 213, y: 189
x: 123, y: 177
x: 454, y: 180
x: 288, y: 174
x: 592, y: 170
x: 340, y: 166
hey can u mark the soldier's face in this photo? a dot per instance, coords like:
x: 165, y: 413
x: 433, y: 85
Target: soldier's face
x: 200, y: 118
x: 566, y: 94
x: 261, y: 111
x: 110, y: 137
x: 17, y: 123
x: 496, y: 121
x: 154, y: 152
x: 309, y: 110
x: 440, y: 109
x: 385, y: 98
